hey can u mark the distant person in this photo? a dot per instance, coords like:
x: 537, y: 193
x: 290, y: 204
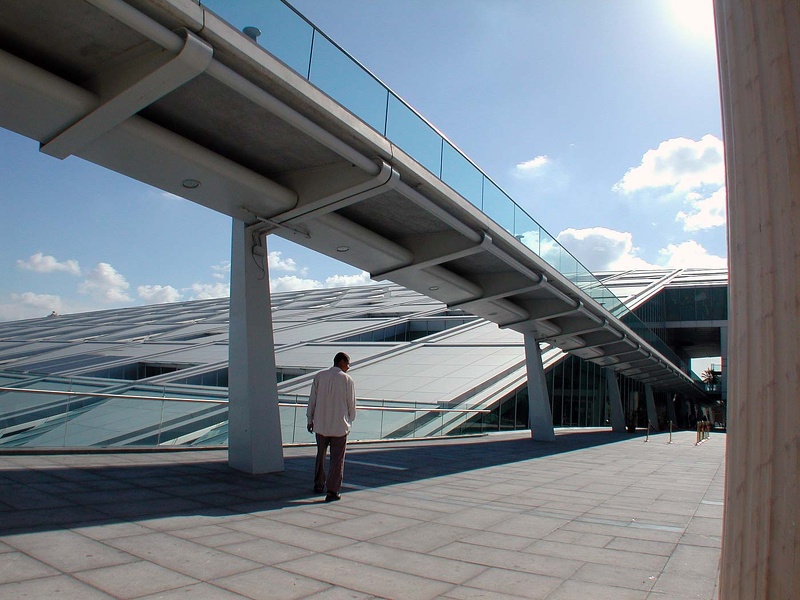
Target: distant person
x: 331, y: 412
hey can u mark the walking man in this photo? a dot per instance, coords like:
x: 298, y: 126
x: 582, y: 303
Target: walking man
x: 331, y: 412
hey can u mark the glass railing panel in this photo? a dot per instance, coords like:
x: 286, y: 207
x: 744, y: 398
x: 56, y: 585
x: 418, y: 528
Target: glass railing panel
x: 569, y: 266
x: 414, y: 136
x: 347, y: 82
x: 526, y: 230
x: 584, y: 279
x: 549, y: 249
x: 285, y: 34
x: 498, y: 206
x: 461, y: 175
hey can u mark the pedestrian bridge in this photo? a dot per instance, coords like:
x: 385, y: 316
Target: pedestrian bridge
x: 290, y: 136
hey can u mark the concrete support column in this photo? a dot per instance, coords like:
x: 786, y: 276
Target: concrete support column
x: 652, y: 415
x: 254, y: 426
x: 759, y: 56
x: 541, y: 416
x: 615, y: 401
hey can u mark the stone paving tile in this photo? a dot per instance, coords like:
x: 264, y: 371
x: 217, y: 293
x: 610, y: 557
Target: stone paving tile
x: 622, y: 529
x: 197, y: 591
x: 222, y: 539
x: 183, y: 556
x: 470, y: 593
x: 415, y: 563
x: 704, y: 526
x: 16, y: 566
x: 269, y: 583
x: 526, y: 585
x: 709, y: 541
x: 424, y: 537
x: 134, y: 579
x: 103, y: 530
x: 692, y: 561
x: 532, y: 526
x: 570, y: 590
x: 62, y: 587
x: 370, y: 526
x: 679, y: 586
x: 477, y: 518
x: 375, y: 504
x: 339, y: 593
x: 501, y: 558
x: 68, y: 551
x: 643, y: 546
x: 582, y: 538
x: 367, y: 578
x: 620, y: 577
x: 497, y: 540
x: 310, y: 539
x: 265, y: 552
x: 601, y: 556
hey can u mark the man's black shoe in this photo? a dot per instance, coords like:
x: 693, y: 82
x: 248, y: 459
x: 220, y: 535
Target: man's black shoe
x: 332, y: 497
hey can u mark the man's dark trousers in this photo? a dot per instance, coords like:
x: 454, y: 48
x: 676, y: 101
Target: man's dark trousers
x: 336, y: 467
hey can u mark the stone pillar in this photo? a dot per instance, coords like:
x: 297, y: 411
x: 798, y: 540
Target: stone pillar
x: 759, y: 54
x: 723, y: 344
x: 652, y: 415
x: 541, y: 416
x: 615, y: 401
x: 254, y: 424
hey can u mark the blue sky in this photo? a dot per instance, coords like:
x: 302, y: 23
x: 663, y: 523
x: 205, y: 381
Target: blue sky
x: 601, y: 119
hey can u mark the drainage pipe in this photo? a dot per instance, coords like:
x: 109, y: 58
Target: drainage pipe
x: 170, y: 41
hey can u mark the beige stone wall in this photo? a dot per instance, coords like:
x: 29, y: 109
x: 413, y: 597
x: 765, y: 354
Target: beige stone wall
x: 759, y: 51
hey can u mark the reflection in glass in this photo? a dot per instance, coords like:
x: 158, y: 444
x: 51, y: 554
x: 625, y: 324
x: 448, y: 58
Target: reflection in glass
x: 497, y: 206
x: 348, y: 83
x: 285, y: 35
x: 526, y: 230
x: 413, y: 135
x: 550, y: 249
x: 462, y: 175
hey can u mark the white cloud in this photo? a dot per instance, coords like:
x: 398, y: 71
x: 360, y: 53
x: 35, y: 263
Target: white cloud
x: 158, y: 294
x: 533, y: 166
x: 105, y: 284
x: 30, y: 306
x: 348, y: 280
x: 681, y: 164
x: 292, y: 283
x: 222, y: 270
x: 691, y: 255
x: 44, y: 263
x: 680, y: 169
x: 705, y: 213
x: 276, y: 263
x: 602, y: 249
x: 207, y: 291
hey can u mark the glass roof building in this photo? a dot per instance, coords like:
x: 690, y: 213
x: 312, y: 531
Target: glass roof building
x: 158, y: 375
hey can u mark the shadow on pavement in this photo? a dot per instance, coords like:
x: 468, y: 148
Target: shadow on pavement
x: 78, y: 492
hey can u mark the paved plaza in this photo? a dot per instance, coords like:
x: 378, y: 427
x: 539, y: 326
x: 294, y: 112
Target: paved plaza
x: 595, y: 515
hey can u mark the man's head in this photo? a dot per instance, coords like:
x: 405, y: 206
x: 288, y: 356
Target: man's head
x: 342, y: 361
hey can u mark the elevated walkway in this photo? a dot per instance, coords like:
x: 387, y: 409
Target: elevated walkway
x: 307, y: 146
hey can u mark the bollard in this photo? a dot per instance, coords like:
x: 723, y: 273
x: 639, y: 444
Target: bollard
x: 670, y: 433
x: 647, y: 435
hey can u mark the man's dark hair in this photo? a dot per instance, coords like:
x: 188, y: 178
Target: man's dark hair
x: 340, y: 356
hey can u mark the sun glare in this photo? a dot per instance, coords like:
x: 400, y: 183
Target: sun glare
x: 694, y: 17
